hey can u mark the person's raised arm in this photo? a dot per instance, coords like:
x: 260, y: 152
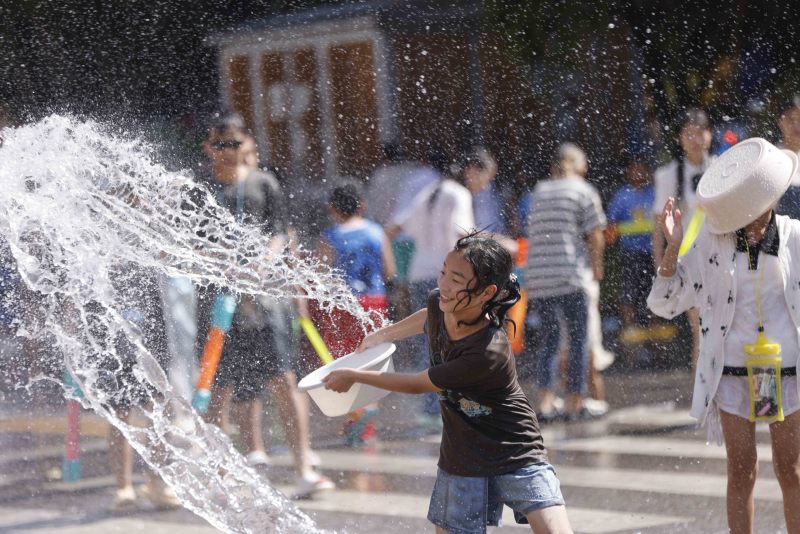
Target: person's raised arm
x: 410, y: 326
x: 674, y: 290
x: 671, y: 228
x: 658, y: 241
x: 342, y: 380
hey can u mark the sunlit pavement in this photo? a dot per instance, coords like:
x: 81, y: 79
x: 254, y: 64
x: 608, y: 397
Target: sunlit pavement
x: 642, y: 469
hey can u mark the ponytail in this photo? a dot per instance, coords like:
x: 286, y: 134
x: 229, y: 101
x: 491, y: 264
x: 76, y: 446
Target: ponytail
x: 504, y: 300
x: 492, y: 265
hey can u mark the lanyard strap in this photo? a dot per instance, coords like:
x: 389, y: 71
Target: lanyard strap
x: 757, y: 288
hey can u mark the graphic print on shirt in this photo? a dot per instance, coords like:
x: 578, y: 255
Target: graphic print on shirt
x: 466, y: 406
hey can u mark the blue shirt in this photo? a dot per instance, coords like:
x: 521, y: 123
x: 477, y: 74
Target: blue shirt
x: 359, y: 255
x: 631, y: 209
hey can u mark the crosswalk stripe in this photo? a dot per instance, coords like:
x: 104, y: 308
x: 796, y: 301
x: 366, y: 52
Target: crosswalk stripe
x: 696, y: 484
x: 672, y: 448
x: 686, y: 483
x: 388, y: 504
x: 63, y: 522
x: 393, y: 504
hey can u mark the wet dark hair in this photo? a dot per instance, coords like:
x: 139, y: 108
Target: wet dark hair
x: 492, y: 265
x: 347, y: 198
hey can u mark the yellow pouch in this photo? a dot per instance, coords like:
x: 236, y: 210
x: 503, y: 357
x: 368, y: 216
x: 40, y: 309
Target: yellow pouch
x: 764, y: 379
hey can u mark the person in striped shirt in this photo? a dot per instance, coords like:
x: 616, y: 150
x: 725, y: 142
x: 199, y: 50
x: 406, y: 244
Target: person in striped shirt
x: 565, y: 234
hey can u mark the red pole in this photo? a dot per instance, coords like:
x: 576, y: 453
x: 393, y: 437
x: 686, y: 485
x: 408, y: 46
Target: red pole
x: 71, y: 470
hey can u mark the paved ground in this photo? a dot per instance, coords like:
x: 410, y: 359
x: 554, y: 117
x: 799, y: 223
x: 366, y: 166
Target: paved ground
x: 643, y: 469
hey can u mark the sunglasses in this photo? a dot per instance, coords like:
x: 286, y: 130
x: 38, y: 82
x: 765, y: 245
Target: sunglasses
x: 222, y: 145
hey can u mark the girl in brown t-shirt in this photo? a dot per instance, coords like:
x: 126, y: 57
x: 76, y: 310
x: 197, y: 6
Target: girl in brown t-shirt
x: 492, y: 451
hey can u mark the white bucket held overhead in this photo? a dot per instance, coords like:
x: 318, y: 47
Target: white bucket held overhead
x: 744, y: 183
x: 334, y: 404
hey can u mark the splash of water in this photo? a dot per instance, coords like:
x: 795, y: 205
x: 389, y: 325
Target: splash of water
x: 80, y: 203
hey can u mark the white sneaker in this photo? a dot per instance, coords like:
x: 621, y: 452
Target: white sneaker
x: 124, y: 500
x: 259, y: 461
x: 594, y: 409
x: 255, y: 458
x: 310, y: 484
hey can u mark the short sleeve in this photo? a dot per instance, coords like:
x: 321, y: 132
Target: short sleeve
x: 472, y: 369
x: 405, y: 215
x: 593, y: 212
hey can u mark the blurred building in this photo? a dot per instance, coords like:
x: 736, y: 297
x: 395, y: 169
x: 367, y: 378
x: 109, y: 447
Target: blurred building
x: 324, y: 87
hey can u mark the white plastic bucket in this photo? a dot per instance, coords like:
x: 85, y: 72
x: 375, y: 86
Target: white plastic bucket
x: 334, y: 404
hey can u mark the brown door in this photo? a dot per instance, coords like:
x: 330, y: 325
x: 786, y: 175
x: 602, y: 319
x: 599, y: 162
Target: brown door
x: 354, y: 108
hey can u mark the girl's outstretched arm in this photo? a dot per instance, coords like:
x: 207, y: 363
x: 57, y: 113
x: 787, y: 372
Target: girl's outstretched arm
x: 410, y: 326
x: 342, y: 380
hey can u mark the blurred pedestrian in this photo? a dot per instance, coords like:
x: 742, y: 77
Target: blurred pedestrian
x: 389, y: 181
x: 789, y: 124
x: 678, y: 179
x: 480, y: 171
x: 358, y: 248
x: 390, y: 188
x: 742, y: 272
x: 630, y: 225
x: 257, y: 348
x: 565, y: 235
x: 180, y: 304
x: 424, y: 174
x: 10, y: 315
x: 438, y: 216
x: 137, y: 297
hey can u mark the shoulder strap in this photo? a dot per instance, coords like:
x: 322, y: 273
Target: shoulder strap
x: 681, y: 170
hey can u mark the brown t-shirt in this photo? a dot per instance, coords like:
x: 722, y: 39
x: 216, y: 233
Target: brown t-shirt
x: 489, y: 425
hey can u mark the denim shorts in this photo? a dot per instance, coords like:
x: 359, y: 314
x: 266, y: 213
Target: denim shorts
x: 466, y: 505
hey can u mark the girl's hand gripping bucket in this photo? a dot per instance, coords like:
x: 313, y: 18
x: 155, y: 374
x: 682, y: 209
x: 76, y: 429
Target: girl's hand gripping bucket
x: 333, y: 404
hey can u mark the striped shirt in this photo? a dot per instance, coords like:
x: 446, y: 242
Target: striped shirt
x: 563, y: 211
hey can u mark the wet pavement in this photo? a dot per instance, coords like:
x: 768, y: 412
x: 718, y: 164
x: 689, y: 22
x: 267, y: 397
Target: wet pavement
x: 641, y: 469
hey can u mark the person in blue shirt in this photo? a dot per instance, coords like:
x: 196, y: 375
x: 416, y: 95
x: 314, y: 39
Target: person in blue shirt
x: 361, y: 251
x: 630, y: 223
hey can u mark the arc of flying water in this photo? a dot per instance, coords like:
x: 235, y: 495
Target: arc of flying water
x: 80, y: 202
